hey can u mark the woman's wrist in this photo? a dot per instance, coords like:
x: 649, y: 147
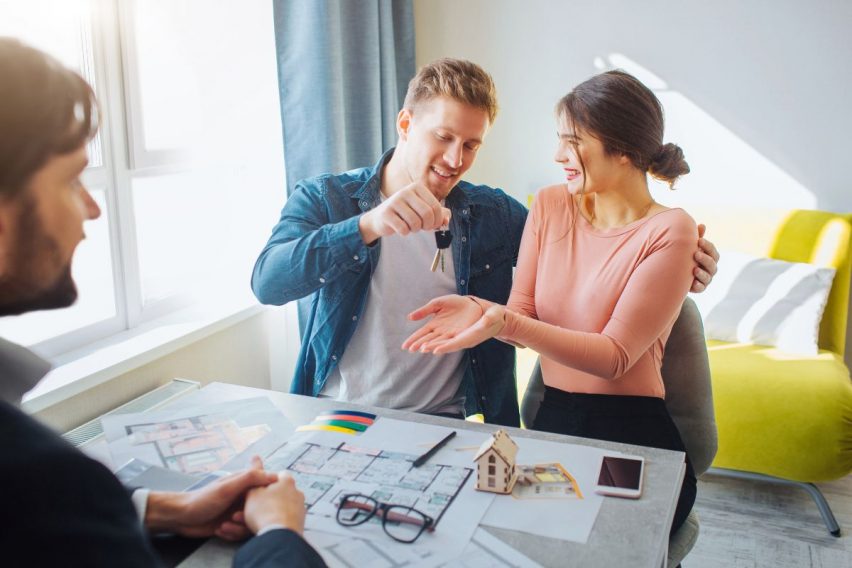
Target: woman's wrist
x: 486, y: 306
x: 506, y: 331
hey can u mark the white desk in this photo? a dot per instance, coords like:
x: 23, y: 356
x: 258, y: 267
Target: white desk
x: 629, y: 533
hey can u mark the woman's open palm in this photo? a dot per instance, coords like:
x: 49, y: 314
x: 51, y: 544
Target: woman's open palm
x: 457, y: 322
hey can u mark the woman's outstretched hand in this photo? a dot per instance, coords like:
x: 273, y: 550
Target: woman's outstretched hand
x: 458, y: 322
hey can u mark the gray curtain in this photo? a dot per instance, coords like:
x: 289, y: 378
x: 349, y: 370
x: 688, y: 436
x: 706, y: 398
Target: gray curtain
x: 343, y: 68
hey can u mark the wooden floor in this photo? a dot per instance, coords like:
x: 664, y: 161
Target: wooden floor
x: 747, y: 524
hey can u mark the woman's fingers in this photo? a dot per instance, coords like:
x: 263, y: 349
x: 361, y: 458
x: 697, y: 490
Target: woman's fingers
x: 431, y: 308
x: 416, y: 338
x: 425, y: 339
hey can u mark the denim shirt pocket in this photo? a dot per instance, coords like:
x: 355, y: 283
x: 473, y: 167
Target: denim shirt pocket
x: 491, y: 273
x: 484, y: 263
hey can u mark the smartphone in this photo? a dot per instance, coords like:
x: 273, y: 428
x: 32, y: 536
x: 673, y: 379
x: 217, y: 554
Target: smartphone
x: 621, y: 476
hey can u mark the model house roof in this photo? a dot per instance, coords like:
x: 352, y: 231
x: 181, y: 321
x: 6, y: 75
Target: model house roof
x: 502, y: 444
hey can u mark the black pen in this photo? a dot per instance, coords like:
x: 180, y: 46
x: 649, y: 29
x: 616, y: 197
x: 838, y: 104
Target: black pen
x: 425, y: 457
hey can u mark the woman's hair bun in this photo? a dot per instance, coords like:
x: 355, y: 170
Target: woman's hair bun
x: 668, y: 164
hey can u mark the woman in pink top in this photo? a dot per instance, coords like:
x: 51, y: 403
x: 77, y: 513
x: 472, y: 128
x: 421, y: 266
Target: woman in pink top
x: 602, y: 273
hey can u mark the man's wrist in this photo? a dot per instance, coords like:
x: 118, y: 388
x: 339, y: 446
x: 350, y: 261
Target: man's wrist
x: 140, y: 502
x: 264, y: 523
x: 274, y: 526
x: 368, y: 235
x: 164, y: 511
x: 271, y: 527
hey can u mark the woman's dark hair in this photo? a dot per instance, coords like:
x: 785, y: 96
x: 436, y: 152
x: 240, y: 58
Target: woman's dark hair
x: 45, y: 110
x: 621, y: 112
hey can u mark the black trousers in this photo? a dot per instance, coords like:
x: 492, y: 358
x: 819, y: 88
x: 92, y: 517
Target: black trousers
x: 639, y: 420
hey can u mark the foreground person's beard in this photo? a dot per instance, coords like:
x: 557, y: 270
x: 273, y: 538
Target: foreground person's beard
x: 21, y: 288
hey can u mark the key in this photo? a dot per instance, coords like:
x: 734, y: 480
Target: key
x: 435, y: 260
x: 443, y: 239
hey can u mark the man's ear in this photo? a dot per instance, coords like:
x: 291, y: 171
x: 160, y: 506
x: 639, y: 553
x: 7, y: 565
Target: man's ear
x: 403, y: 123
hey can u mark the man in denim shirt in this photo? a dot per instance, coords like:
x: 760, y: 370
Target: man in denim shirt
x: 362, y: 244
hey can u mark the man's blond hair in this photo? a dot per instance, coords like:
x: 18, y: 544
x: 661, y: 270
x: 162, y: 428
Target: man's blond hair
x: 457, y: 79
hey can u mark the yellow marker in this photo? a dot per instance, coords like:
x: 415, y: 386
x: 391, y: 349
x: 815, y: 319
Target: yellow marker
x: 325, y: 428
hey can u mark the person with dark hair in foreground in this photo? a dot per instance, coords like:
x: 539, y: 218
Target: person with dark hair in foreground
x: 61, y: 508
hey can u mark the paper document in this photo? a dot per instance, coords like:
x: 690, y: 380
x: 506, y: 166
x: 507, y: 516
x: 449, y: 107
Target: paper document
x: 487, y: 551
x: 567, y: 519
x: 326, y: 469
x: 137, y: 473
x: 197, y: 441
x: 340, y: 551
x: 483, y: 551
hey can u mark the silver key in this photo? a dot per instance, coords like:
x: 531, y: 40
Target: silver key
x: 439, y: 255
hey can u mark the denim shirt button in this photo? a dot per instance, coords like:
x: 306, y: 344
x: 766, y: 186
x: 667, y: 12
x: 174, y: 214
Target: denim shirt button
x: 487, y: 267
x: 354, y: 318
x: 464, y: 211
x: 355, y: 257
x: 464, y: 239
x: 474, y: 361
x: 364, y: 204
x: 461, y: 281
x: 322, y: 280
x: 334, y: 357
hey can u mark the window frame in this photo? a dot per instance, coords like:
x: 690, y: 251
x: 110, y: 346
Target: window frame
x: 139, y: 158
x: 110, y: 66
x: 114, y: 79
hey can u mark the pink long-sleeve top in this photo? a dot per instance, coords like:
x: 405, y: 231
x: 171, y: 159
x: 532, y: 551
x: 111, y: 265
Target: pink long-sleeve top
x: 598, y: 305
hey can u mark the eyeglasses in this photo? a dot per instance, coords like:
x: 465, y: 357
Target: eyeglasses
x: 401, y: 522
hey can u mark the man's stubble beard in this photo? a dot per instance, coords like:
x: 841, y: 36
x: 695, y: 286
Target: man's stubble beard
x: 22, y: 289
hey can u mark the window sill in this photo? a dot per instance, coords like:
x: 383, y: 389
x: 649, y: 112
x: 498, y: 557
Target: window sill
x: 86, y: 368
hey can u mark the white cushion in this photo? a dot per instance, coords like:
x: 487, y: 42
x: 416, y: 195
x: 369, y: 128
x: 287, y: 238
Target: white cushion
x: 766, y: 301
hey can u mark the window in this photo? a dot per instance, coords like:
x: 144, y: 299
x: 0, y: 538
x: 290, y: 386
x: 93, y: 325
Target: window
x: 492, y: 459
x: 492, y: 470
x: 188, y: 163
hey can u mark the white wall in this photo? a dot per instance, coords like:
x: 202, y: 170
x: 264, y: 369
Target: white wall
x: 757, y: 92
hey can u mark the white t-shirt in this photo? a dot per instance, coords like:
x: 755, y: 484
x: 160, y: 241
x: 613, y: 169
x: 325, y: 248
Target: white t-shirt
x: 374, y: 370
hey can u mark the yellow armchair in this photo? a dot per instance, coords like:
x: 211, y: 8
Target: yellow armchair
x: 782, y: 417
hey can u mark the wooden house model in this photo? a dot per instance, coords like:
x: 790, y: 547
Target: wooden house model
x: 495, y: 464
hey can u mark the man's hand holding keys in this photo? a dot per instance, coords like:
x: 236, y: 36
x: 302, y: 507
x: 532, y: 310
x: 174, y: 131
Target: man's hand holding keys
x: 411, y: 209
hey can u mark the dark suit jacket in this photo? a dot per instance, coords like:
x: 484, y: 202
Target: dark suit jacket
x: 61, y: 508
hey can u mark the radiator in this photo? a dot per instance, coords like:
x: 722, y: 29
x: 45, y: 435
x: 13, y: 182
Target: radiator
x: 151, y: 400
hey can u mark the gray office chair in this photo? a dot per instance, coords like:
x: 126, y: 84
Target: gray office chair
x: 689, y: 399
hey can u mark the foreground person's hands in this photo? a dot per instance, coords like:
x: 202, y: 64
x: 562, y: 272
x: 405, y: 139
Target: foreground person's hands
x: 278, y: 505
x: 215, y: 510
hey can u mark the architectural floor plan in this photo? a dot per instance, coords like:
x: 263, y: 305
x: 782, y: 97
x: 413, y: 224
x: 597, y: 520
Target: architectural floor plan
x: 326, y: 473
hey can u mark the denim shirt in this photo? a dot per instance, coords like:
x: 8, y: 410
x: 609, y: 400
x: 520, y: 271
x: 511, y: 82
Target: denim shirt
x: 316, y: 250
